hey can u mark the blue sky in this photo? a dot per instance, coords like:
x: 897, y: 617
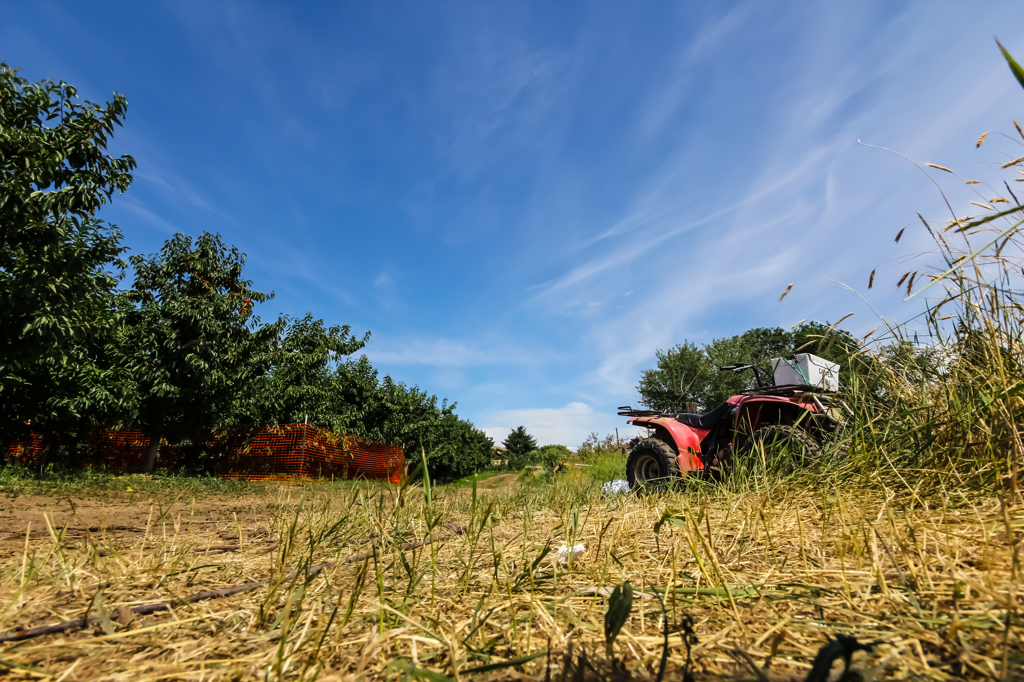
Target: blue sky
x: 523, y: 201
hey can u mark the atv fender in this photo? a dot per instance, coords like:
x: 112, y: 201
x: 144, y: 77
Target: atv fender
x: 686, y: 440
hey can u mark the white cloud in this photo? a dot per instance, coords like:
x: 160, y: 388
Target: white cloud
x: 675, y: 202
x: 706, y: 247
x: 660, y: 217
x: 569, y: 425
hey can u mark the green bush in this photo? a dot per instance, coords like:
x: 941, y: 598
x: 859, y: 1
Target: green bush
x: 547, y: 456
x: 595, y: 446
x: 609, y: 465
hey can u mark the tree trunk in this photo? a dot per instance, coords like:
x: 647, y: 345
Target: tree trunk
x: 149, y: 459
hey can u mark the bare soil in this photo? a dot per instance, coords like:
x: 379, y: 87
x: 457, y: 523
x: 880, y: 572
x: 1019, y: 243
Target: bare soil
x: 499, y: 481
x: 126, y: 514
x: 119, y: 514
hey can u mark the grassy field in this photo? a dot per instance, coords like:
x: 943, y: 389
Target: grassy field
x: 746, y: 583
x: 898, y: 551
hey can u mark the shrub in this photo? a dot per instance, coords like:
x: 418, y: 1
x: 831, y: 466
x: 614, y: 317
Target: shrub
x: 595, y: 446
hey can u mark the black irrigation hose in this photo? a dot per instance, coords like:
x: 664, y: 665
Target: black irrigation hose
x: 154, y: 607
x: 231, y: 548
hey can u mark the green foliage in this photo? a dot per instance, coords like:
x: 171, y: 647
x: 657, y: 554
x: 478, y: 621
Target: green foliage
x: 473, y: 479
x: 620, y: 604
x: 464, y: 449
x: 311, y: 380
x: 58, y: 262
x: 548, y: 456
x: 595, y: 446
x: 64, y: 398
x: 688, y: 373
x: 190, y: 343
x: 62, y: 482
x: 608, y: 466
x: 392, y: 412
x: 605, y: 456
x: 518, y: 443
x: 1015, y: 68
x: 682, y: 375
x: 182, y: 352
x: 304, y: 383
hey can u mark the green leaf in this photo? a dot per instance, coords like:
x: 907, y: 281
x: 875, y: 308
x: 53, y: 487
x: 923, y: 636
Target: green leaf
x: 426, y: 477
x: 669, y: 516
x: 105, y: 622
x: 1014, y: 66
x: 505, y: 664
x: 619, y: 606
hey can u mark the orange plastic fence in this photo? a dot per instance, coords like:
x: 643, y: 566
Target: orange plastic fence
x: 121, y: 450
x: 273, y: 452
x: 305, y: 451
x: 27, y: 452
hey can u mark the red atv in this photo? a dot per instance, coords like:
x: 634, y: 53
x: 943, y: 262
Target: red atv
x: 793, y: 418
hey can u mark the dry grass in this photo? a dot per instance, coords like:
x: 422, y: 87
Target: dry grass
x: 765, y: 575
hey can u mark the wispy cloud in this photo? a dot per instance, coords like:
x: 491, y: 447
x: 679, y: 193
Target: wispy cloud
x: 699, y: 267
x: 445, y: 352
x: 159, y: 176
x: 557, y: 194
x: 568, y: 425
x: 137, y: 208
x: 663, y: 104
x: 493, y: 92
x: 657, y: 220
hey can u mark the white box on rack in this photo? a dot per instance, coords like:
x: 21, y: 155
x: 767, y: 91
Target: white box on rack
x: 806, y: 369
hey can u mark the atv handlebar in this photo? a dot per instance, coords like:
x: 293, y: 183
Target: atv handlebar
x: 739, y: 367
x: 735, y: 368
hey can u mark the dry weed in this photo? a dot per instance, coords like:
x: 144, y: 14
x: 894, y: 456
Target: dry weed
x: 766, y: 577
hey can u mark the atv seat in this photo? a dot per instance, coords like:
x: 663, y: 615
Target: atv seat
x: 707, y: 421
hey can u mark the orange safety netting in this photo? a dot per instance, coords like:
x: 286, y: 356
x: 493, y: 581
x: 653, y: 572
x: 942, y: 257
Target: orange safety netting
x: 27, y: 452
x: 122, y: 450
x: 273, y: 452
x: 305, y: 451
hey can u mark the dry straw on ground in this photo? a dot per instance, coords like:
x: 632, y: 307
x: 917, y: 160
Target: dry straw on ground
x: 766, y: 576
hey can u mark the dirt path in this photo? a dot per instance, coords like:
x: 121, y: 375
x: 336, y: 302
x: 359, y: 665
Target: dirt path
x: 121, y: 513
x: 499, y: 481
x: 128, y: 513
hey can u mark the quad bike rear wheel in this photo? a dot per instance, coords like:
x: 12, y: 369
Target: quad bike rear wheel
x: 651, y: 461
x: 780, y: 440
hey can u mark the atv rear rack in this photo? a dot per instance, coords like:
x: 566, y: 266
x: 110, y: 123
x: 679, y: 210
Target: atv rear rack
x: 786, y: 390
x: 627, y: 411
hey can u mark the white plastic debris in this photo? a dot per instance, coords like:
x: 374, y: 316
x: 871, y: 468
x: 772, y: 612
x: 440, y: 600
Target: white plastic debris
x: 562, y: 556
x: 615, y: 487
